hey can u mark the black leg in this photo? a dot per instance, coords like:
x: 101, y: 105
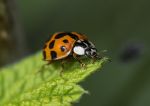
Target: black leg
x: 43, y: 66
x: 79, y: 60
x: 62, y: 67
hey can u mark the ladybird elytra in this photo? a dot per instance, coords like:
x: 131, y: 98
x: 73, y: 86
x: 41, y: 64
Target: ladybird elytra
x: 63, y: 44
x: 59, y: 46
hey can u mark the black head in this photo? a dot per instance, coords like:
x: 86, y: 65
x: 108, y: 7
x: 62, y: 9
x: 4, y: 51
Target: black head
x: 85, y: 47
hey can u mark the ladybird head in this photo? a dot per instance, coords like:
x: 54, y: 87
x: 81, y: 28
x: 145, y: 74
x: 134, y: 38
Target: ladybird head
x: 87, y: 48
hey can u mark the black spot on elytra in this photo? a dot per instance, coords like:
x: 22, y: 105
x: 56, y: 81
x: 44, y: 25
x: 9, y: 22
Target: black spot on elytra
x: 63, y: 48
x: 66, y: 33
x: 51, y: 45
x: 75, y: 37
x: 60, y: 35
x: 53, y: 55
x: 65, y: 41
x: 44, y: 54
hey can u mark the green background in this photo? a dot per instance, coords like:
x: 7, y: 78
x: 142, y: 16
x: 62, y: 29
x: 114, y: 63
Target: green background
x: 111, y: 25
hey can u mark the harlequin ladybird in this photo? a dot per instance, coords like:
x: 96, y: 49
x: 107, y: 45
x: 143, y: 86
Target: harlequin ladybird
x: 64, y: 44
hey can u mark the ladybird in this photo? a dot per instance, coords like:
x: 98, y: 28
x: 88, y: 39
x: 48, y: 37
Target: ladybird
x: 64, y: 44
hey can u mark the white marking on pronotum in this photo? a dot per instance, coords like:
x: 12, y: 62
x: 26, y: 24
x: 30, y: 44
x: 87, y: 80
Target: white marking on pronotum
x: 79, y: 50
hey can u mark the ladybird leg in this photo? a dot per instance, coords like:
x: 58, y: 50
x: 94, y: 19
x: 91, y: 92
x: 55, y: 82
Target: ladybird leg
x: 62, y: 67
x: 49, y: 62
x: 83, y: 65
x: 44, y: 66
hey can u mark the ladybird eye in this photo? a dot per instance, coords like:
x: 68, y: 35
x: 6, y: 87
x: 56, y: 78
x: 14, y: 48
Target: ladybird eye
x: 63, y: 48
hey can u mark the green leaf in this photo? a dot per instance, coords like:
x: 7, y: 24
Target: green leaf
x: 31, y: 82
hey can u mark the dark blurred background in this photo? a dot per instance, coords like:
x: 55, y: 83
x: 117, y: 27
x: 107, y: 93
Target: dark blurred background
x: 120, y: 26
